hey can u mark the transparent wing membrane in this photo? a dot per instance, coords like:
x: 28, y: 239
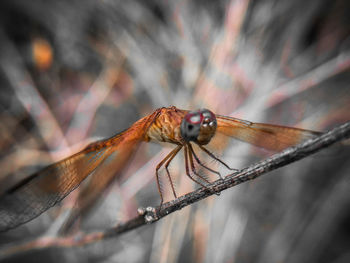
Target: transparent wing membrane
x: 31, y: 197
x: 103, y: 159
x: 268, y: 136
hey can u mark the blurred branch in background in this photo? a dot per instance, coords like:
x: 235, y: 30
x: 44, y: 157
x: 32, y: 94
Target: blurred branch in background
x: 73, y: 70
x: 151, y: 215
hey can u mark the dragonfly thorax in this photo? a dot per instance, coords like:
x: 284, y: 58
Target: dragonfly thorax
x: 166, y: 127
x: 198, y: 126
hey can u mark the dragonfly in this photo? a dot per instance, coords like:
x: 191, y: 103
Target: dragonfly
x: 101, y: 161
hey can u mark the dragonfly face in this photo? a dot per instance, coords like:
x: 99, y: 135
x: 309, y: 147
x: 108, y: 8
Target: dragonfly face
x: 198, y: 126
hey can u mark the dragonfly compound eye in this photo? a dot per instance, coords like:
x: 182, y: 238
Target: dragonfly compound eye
x: 191, y: 125
x: 198, y: 126
x: 208, y: 127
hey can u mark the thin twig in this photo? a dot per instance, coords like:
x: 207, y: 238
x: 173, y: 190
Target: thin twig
x: 151, y: 215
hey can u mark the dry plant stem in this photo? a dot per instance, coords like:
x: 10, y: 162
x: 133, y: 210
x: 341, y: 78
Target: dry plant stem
x: 289, y: 155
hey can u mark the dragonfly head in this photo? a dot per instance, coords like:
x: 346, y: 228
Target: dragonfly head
x: 198, y: 126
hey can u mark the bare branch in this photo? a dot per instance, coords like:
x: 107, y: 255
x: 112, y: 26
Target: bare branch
x: 150, y: 215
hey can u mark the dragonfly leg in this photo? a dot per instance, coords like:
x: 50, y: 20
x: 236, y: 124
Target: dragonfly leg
x: 190, y: 157
x: 174, y: 153
x: 215, y: 158
x: 194, y: 169
x: 170, y: 156
x: 201, y: 164
x: 186, y: 152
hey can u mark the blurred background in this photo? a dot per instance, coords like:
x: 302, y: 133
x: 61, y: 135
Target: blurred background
x: 73, y: 71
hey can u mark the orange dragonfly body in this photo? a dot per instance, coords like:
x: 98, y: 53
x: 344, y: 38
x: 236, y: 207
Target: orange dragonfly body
x: 102, y: 160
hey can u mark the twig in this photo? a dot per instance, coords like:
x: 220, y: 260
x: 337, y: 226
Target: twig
x: 150, y: 215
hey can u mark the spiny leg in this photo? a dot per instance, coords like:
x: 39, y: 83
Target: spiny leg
x: 170, y: 155
x: 215, y: 158
x: 193, y: 168
x: 201, y: 164
x: 195, y: 172
x: 174, y: 153
x: 188, y: 170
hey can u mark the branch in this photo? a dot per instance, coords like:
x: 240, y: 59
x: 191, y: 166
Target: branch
x: 151, y: 215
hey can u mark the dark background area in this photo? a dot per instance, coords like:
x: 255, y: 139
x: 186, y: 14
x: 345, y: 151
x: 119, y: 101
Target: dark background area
x: 72, y: 71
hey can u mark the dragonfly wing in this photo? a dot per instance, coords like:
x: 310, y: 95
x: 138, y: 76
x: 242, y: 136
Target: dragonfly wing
x: 37, y: 193
x: 101, y: 178
x: 110, y: 168
x: 268, y: 136
x: 42, y: 190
